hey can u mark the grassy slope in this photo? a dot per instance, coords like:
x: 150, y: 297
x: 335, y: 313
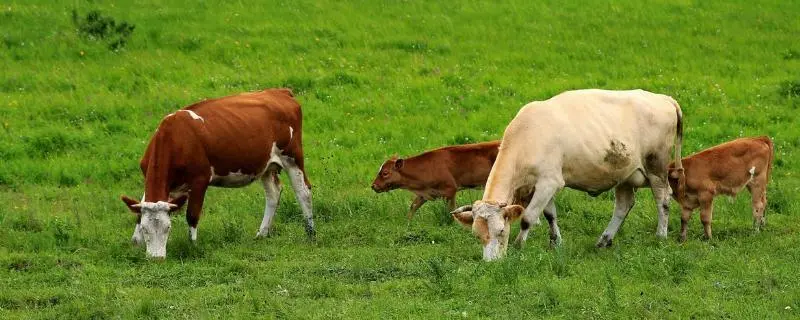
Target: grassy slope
x: 377, y: 79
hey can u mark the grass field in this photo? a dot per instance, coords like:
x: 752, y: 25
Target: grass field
x: 378, y: 78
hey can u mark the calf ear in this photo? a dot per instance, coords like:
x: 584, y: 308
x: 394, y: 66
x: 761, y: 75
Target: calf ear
x: 513, y: 212
x: 177, y: 203
x: 463, y: 217
x: 398, y: 164
x: 133, y: 205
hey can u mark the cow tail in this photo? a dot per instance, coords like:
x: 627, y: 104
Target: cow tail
x: 678, y: 144
x: 678, y: 134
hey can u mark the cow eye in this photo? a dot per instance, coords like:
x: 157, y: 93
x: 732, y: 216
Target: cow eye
x: 385, y: 173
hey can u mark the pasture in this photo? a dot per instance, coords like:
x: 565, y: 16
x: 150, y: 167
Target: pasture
x: 378, y: 78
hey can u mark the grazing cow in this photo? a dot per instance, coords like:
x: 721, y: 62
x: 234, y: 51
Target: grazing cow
x: 723, y: 169
x: 438, y: 173
x: 590, y: 140
x: 225, y: 142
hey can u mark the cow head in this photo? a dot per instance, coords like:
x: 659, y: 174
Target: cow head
x: 389, y: 177
x: 491, y: 223
x: 155, y: 222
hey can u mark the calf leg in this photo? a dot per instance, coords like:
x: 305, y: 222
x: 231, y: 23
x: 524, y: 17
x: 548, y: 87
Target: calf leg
x: 272, y: 191
x: 196, y: 197
x: 623, y: 203
x: 303, y: 194
x: 542, y: 196
x: 759, y: 195
x: 686, y: 214
x: 706, y: 213
x: 418, y: 202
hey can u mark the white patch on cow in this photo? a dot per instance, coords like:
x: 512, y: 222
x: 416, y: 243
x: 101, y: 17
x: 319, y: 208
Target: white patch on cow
x: 275, y: 155
x: 194, y: 115
x: 752, y: 171
x: 169, y: 115
x: 137, y: 237
x: 155, y: 226
x: 291, y: 132
x: 211, y: 178
x: 492, y: 250
x: 193, y: 234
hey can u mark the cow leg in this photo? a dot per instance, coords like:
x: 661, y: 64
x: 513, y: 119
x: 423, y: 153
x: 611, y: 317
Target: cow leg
x: 418, y: 202
x: 272, y: 191
x: 550, y: 215
x: 759, y: 202
x: 525, y: 225
x: 196, y: 197
x: 624, y: 200
x: 661, y: 194
x: 303, y: 194
x: 544, y: 194
x: 686, y: 214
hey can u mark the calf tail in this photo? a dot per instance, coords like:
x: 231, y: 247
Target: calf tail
x: 768, y: 141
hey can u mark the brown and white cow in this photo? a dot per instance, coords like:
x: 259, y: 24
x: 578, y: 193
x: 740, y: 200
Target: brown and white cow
x: 225, y: 142
x: 590, y: 140
x: 723, y: 170
x: 438, y: 173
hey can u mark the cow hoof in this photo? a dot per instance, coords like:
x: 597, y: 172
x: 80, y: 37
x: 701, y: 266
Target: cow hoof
x: 262, y: 234
x: 605, y: 241
x: 554, y: 243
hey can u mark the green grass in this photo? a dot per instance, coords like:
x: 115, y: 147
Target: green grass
x: 374, y: 79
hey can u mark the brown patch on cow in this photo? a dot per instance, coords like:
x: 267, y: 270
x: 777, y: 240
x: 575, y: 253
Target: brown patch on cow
x: 480, y: 228
x: 617, y: 155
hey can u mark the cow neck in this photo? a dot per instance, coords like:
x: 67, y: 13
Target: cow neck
x: 156, y: 183
x: 414, y: 180
x: 499, y: 184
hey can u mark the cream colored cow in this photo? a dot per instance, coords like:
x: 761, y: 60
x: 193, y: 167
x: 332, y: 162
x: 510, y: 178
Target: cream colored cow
x: 590, y: 140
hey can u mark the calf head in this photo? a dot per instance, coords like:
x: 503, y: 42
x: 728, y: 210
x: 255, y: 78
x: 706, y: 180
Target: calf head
x: 389, y: 177
x: 155, y: 222
x: 491, y: 223
x: 677, y: 181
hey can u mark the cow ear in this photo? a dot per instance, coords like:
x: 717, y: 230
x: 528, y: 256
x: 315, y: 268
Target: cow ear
x: 513, y: 212
x: 398, y: 164
x: 463, y: 217
x: 177, y: 203
x: 133, y: 205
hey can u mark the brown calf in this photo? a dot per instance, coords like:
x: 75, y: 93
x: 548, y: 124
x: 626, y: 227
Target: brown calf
x: 723, y: 169
x: 438, y: 173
